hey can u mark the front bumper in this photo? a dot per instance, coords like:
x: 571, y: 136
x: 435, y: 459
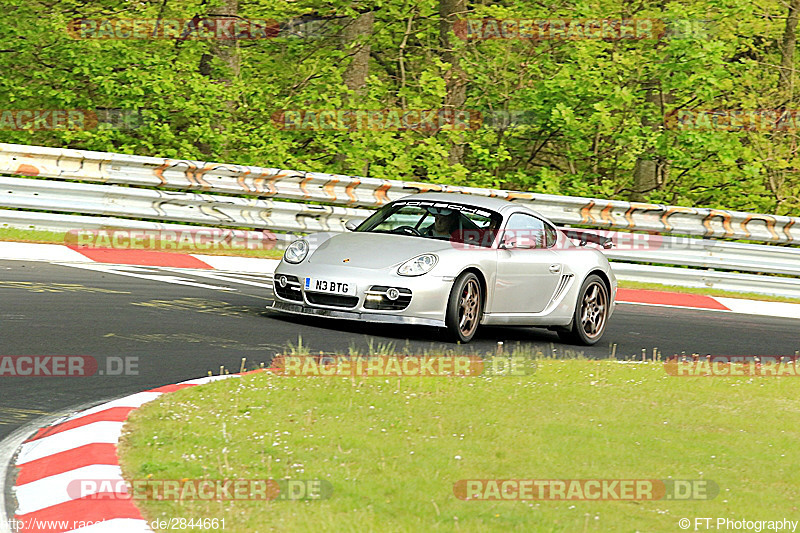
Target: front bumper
x: 427, y: 304
x: 301, y: 309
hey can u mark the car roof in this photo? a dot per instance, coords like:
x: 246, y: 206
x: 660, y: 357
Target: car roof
x: 495, y: 204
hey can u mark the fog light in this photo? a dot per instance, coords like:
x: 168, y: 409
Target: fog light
x: 282, y: 281
x: 392, y: 293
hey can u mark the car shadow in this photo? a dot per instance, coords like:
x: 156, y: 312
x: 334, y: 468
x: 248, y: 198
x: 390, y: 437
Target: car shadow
x: 405, y: 332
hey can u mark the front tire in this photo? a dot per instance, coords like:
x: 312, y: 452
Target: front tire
x: 591, y: 313
x: 464, y: 308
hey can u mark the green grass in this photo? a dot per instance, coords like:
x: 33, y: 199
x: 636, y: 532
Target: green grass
x: 29, y: 235
x: 393, y: 448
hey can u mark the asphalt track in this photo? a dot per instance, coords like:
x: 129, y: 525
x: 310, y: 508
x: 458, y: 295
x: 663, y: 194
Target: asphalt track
x: 177, y: 325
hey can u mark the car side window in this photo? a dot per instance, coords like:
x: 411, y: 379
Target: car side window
x: 526, y: 230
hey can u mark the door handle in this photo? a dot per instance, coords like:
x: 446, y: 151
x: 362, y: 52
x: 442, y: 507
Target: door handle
x: 555, y: 269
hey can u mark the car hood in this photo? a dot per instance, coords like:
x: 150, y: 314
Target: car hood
x: 373, y: 250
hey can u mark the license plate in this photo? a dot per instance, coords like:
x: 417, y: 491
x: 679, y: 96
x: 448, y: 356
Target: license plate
x: 330, y: 287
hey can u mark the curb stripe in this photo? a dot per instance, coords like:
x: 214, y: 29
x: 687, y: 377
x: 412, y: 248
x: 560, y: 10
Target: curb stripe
x: 140, y: 257
x: 103, y: 432
x: 82, y: 446
x: 134, y: 400
x: 82, y: 510
x: 61, y: 488
x: 96, y: 453
x: 114, y: 414
x: 170, y: 388
x: 667, y: 306
x: 677, y: 299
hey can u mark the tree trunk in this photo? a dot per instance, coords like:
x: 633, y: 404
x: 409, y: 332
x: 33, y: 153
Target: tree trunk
x: 227, y: 51
x: 650, y: 170
x: 775, y: 177
x: 355, y: 38
x: 645, y: 179
x: 455, y: 78
x: 787, y: 46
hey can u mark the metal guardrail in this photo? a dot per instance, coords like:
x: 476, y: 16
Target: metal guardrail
x: 21, y: 193
x: 60, y: 223
x: 702, y: 253
x: 215, y: 210
x: 112, y: 168
x: 119, y: 197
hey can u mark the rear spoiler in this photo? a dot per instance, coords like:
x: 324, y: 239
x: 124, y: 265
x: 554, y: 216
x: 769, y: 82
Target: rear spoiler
x: 584, y: 236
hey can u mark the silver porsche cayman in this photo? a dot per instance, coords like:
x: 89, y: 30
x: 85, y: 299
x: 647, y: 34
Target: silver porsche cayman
x: 453, y: 261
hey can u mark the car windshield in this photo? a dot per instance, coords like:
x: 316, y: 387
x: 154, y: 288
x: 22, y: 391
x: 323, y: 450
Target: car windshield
x: 435, y: 220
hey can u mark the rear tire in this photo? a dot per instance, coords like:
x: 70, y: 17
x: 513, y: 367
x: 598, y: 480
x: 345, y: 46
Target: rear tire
x: 464, y: 308
x: 591, y: 314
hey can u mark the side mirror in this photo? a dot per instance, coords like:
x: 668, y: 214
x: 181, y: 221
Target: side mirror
x: 352, y: 224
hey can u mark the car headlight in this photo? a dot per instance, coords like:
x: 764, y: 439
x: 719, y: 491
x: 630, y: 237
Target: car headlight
x: 418, y: 265
x: 296, y: 252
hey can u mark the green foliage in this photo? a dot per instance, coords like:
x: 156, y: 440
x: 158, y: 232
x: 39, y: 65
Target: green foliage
x: 586, y: 116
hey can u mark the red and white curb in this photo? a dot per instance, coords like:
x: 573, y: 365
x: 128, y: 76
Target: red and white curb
x: 82, y: 446
x: 80, y: 254
x: 708, y: 303
x: 255, y: 265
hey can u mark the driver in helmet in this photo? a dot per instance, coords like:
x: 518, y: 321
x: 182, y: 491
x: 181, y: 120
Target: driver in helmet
x: 444, y: 223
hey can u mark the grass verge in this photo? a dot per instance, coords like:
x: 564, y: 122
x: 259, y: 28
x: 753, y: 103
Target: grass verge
x: 393, y: 448
x: 29, y: 235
